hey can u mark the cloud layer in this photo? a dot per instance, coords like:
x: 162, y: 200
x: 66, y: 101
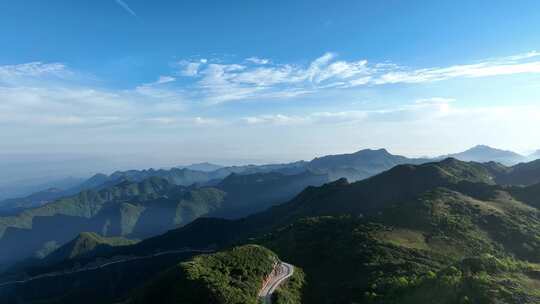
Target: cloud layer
x: 256, y: 78
x: 196, y: 100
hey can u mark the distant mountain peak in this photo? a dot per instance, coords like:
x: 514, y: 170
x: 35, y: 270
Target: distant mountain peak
x: 485, y: 153
x: 373, y: 151
x: 487, y: 148
x: 204, y: 167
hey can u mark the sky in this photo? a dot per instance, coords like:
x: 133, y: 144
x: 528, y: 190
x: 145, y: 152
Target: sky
x: 157, y: 83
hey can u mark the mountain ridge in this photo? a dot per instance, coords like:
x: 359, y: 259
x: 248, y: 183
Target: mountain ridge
x: 397, y: 231
x: 484, y: 153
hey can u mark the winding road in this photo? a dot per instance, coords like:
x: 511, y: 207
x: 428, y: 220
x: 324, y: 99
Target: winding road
x: 103, y: 265
x: 282, y: 271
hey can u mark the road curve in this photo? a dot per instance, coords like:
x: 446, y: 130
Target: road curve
x: 282, y: 271
x: 106, y: 264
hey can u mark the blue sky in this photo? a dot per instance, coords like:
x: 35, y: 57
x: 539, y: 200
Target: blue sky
x: 167, y: 82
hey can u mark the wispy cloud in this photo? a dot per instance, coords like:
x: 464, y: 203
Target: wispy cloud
x: 428, y: 110
x: 258, y: 60
x: 48, y: 95
x: 47, y: 90
x: 255, y: 78
x: 13, y: 74
x: 165, y: 79
x: 126, y: 7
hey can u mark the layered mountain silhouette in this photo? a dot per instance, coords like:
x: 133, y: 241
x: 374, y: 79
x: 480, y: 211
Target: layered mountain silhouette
x: 413, y: 234
x: 416, y: 222
x: 483, y: 153
x: 142, y: 209
x: 85, y: 243
x: 10, y: 206
x: 353, y: 166
x: 204, y: 167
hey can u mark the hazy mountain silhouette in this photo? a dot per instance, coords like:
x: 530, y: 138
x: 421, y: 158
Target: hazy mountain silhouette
x: 482, y: 153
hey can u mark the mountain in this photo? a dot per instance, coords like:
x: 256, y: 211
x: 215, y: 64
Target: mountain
x: 287, y: 169
x: 363, y: 198
x: 484, y: 153
x: 232, y: 276
x: 204, y: 167
x: 355, y: 166
x: 359, y: 165
x: 33, y: 200
x: 84, y: 244
x: 142, y: 209
x: 25, y: 187
x: 438, y: 232
x: 267, y: 189
x: 184, y: 177
x: 434, y: 233
x: 520, y: 174
x: 130, y: 209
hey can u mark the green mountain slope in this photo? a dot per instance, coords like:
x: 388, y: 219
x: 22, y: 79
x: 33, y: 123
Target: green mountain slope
x: 412, y: 234
x: 390, y: 236
x: 362, y: 198
x: 131, y: 209
x: 386, y: 257
x: 267, y: 189
x: 521, y: 174
x: 84, y: 244
x: 142, y: 209
x: 440, y: 246
x: 229, y: 277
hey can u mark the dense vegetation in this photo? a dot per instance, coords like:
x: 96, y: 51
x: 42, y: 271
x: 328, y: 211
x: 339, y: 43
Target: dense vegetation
x: 127, y: 209
x: 482, y: 279
x: 442, y: 232
x: 390, y: 237
x: 290, y: 291
x: 230, y: 277
x: 87, y: 243
x: 142, y: 209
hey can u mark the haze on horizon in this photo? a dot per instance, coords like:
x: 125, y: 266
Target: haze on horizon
x: 133, y: 84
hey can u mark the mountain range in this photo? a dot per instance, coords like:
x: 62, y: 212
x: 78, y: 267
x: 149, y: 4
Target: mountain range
x: 439, y: 232
x: 353, y: 166
x: 106, y: 204
x: 402, y: 227
x: 139, y: 209
x: 484, y: 153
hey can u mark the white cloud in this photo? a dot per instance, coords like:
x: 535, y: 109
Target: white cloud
x: 28, y: 97
x: 182, y: 121
x: 44, y: 94
x: 165, y: 79
x: 316, y: 118
x: 190, y: 69
x: 422, y: 109
x: 258, y: 78
x: 274, y: 119
x: 10, y: 74
x: 257, y: 60
x: 510, y: 65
